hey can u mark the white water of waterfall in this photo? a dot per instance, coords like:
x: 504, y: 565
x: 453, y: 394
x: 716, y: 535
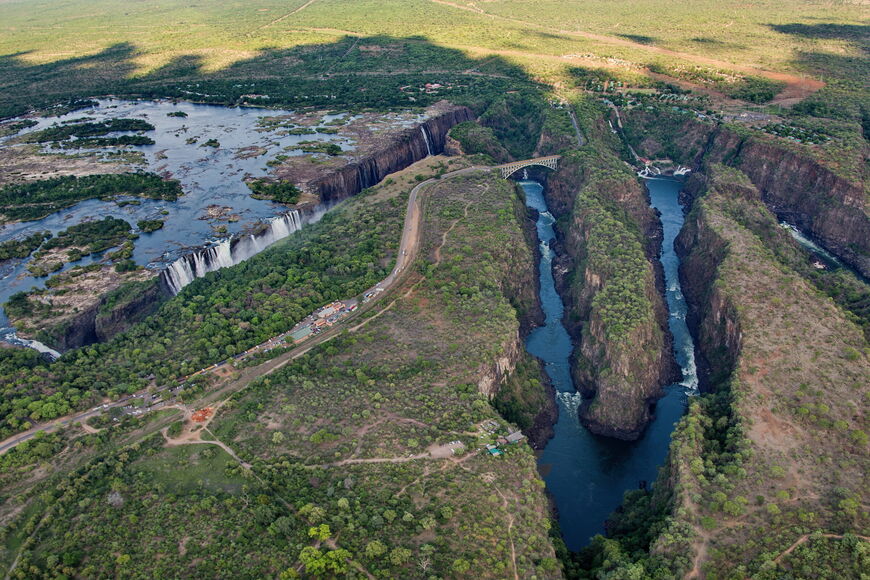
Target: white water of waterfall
x: 12, y: 338
x: 232, y: 251
x: 525, y: 174
x: 426, y: 139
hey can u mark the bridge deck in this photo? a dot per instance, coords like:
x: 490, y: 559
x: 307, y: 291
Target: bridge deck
x: 507, y: 169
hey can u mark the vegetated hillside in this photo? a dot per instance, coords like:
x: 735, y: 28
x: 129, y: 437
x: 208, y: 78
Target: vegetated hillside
x: 765, y: 477
x: 477, y: 140
x: 215, y: 317
x: 615, y: 305
x: 342, y: 464
x: 779, y: 449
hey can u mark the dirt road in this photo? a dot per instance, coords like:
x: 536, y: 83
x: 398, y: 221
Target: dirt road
x: 408, y: 247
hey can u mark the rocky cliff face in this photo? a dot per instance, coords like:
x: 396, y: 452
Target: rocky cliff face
x: 492, y: 375
x: 116, y: 318
x: 794, y: 185
x: 521, y: 287
x: 411, y: 146
x: 712, y: 318
x: 799, y: 189
x: 620, y: 372
x: 510, y: 380
x: 105, y: 319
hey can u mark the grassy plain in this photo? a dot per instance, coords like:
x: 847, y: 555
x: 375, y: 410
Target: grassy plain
x: 141, y: 47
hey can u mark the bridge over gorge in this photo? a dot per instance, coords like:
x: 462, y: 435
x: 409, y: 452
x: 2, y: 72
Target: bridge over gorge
x: 509, y: 169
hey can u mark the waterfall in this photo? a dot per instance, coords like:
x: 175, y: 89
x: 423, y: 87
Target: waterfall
x: 426, y: 139
x: 8, y: 335
x: 233, y: 250
x: 525, y: 174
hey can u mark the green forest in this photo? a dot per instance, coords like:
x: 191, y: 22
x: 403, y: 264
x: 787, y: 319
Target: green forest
x: 37, y: 199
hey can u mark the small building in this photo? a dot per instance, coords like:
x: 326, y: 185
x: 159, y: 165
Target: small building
x: 515, y: 437
x: 327, y: 311
x: 301, y: 334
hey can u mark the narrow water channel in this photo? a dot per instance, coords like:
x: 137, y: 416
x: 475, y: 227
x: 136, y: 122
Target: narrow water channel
x: 586, y: 474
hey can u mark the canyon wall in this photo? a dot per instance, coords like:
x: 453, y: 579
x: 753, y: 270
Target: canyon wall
x: 610, y: 239
x: 114, y: 313
x: 411, y: 146
x: 828, y: 205
x: 515, y: 382
x: 712, y: 317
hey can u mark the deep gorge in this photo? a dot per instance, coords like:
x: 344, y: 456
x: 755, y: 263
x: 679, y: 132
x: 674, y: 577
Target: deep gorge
x: 587, y: 474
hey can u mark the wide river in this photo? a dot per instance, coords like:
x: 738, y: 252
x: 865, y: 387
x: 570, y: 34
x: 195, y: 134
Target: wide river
x: 587, y: 474
x: 208, y: 176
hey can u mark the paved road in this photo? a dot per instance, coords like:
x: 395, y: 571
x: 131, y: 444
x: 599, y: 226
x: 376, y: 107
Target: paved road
x: 8, y: 444
x: 407, y: 252
x: 411, y: 231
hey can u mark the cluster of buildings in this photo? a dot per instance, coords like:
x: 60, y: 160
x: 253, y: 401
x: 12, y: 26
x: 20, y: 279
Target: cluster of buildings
x: 490, y: 427
x: 320, y: 319
x: 428, y: 88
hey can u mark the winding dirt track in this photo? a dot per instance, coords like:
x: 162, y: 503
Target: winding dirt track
x: 407, y: 252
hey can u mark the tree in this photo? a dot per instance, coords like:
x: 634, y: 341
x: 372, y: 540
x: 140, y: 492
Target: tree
x: 312, y: 513
x: 399, y: 556
x: 375, y: 549
x: 277, y: 438
x: 337, y: 560
x: 320, y: 532
x: 318, y: 564
x: 313, y: 560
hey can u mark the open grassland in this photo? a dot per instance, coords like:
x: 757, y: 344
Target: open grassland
x: 115, y: 46
x: 767, y: 34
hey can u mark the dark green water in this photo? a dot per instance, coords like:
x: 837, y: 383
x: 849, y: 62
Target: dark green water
x: 586, y: 474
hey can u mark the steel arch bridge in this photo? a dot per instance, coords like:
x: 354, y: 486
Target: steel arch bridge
x: 508, y: 169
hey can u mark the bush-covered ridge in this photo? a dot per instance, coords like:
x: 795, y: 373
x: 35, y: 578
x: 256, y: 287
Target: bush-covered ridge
x: 316, y: 496
x: 751, y: 463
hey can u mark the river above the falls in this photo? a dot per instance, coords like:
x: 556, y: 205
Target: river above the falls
x: 211, y: 150
x: 585, y: 474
